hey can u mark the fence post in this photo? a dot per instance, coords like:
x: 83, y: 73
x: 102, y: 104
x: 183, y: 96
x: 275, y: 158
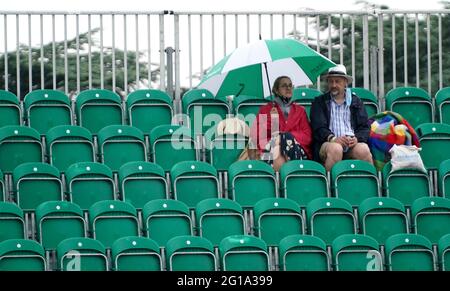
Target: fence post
x: 374, y: 70
x: 169, y: 70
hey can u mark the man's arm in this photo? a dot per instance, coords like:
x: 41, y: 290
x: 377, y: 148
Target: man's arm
x: 319, y: 124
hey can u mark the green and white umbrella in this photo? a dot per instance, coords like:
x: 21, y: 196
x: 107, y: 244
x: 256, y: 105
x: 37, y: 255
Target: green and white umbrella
x: 245, y: 71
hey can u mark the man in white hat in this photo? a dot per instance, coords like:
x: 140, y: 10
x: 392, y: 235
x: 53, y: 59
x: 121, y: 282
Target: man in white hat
x: 339, y: 122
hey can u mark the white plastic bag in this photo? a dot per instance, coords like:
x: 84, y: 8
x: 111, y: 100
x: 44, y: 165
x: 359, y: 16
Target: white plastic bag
x: 403, y: 156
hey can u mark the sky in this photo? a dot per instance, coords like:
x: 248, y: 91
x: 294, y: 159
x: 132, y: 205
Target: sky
x: 207, y: 5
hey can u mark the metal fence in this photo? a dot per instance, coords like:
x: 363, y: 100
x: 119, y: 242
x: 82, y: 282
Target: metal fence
x: 382, y: 49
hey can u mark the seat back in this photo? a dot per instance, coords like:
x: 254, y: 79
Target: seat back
x: 434, y: 140
x: 305, y: 97
x: 431, y: 217
x: 190, y: 253
x: 246, y: 107
x: 21, y: 255
x: 369, y: 99
x: 81, y: 254
x: 75, y: 140
x: 47, y: 108
x: 134, y: 253
x: 98, y: 108
x: 444, y: 179
x: 442, y: 98
x: 148, y: 108
x: 218, y: 218
x: 414, y: 104
x: 356, y: 252
x: 18, y: 145
x: 12, y: 223
x: 443, y: 252
x: 243, y: 253
x: 141, y: 182
x: 10, y: 111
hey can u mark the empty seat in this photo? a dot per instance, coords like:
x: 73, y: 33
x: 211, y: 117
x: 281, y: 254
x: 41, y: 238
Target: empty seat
x: 354, y: 181
x: 172, y: 141
x: 141, y: 182
x: 10, y: 111
x: 35, y: 183
x: 328, y: 218
x: 98, y: 108
x: 218, y: 218
x: 19, y: 144
x: 119, y: 144
x: 431, y: 217
x: 250, y: 181
x: 203, y: 110
x: 276, y: 218
x: 165, y: 218
x: 303, y: 253
x: 223, y: 149
x: 382, y: 217
x: 442, y: 98
x: 194, y: 181
x: 148, y: 108
x: 369, y: 99
x: 243, y: 253
x: 434, y: 140
x: 356, y: 252
x: 303, y: 181
x: 409, y: 252
x: 47, y: 108
x: 405, y: 185
x: 81, y: 254
x: 444, y: 178
x: 246, y: 107
x: 21, y: 255
x: 190, y: 253
x: 64, y: 139
x: 443, y: 252
x: 58, y: 220
x: 89, y: 182
x: 414, y: 104
x: 305, y: 97
x: 134, y: 253
x: 112, y: 219
x: 12, y: 224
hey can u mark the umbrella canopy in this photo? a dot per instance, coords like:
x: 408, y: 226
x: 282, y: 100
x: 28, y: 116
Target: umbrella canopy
x: 243, y: 72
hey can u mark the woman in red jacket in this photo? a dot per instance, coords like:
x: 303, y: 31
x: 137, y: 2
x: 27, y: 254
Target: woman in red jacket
x: 281, y: 130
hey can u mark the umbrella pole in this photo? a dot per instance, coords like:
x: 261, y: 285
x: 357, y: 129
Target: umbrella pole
x: 268, y: 81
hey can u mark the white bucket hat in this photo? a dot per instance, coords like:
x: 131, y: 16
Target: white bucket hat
x: 339, y: 71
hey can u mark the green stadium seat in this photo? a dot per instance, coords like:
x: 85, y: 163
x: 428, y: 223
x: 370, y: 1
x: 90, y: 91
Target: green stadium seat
x: 10, y: 111
x: 12, y: 223
x: 34, y: 183
x: 81, y: 254
x: 218, y: 218
x: 405, y: 185
x: 203, y: 110
x: 443, y: 251
x: 303, y: 253
x: 444, y: 179
x: 356, y: 252
x: 148, y: 108
x: 141, y: 182
x: 58, y: 220
x: 409, y: 252
x: 329, y: 218
x: 64, y: 139
x: 442, y: 99
x: 303, y: 181
x: 120, y: 144
x: 21, y: 255
x: 250, y: 181
x: 18, y: 145
x: 431, y: 217
x: 354, y: 181
x: 89, y: 182
x: 193, y: 181
x: 369, y: 99
x: 44, y: 109
x: 165, y: 218
x: 172, y: 141
x: 190, y: 253
x: 434, y: 140
x: 246, y: 107
x: 134, y: 253
x: 223, y: 150
x: 382, y: 217
x: 243, y: 253
x: 276, y: 218
x: 305, y: 97
x: 98, y: 108
x: 414, y: 104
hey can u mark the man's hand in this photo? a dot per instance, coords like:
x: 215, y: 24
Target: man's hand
x: 342, y: 140
x: 351, y: 141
